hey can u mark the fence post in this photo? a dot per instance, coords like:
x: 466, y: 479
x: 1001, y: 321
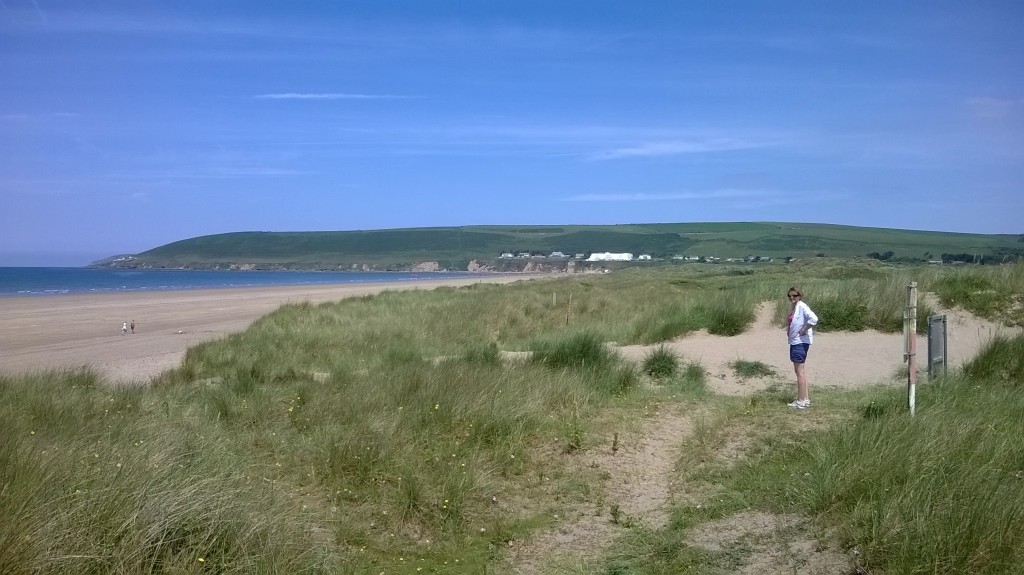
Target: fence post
x: 910, y: 343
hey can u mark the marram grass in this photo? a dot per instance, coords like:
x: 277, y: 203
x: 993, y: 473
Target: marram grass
x: 393, y: 433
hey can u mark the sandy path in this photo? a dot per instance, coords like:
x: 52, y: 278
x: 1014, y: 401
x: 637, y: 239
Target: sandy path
x: 68, y: 331
x: 638, y: 480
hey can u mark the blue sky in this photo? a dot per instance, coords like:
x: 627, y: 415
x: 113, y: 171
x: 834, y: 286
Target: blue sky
x: 127, y: 125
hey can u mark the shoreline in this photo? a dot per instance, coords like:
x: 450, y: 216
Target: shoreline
x: 40, y: 333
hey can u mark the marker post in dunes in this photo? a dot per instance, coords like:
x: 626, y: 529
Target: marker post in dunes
x: 910, y: 343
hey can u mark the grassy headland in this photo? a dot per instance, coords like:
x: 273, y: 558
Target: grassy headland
x: 454, y: 248
x: 397, y: 433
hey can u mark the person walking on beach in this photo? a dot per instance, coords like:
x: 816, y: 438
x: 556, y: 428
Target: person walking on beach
x: 133, y: 327
x: 124, y: 328
x: 800, y: 333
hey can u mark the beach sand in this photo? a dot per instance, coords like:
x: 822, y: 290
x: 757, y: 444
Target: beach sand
x: 39, y: 333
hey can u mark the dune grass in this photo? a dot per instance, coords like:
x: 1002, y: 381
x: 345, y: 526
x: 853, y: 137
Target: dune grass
x: 387, y: 433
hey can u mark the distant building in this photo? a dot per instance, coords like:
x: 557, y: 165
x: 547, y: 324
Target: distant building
x: 644, y: 257
x: 610, y: 257
x: 506, y: 255
x: 557, y: 255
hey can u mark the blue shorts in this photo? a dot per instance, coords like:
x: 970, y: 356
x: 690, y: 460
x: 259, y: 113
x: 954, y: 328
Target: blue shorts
x: 798, y: 352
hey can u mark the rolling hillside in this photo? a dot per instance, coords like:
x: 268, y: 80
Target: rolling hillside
x: 455, y: 247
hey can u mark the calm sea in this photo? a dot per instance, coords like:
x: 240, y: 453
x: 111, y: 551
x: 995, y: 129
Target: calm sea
x: 48, y: 281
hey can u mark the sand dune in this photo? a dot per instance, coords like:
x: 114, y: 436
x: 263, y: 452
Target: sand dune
x: 68, y: 331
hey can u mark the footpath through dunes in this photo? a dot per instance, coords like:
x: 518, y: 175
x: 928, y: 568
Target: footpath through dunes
x: 637, y: 470
x: 838, y: 359
x: 640, y: 486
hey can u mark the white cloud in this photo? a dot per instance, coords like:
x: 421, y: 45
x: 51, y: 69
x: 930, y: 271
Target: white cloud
x: 679, y: 148
x: 326, y: 96
x: 762, y: 195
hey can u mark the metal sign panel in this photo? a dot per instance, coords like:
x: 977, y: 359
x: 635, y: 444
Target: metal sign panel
x: 936, y: 346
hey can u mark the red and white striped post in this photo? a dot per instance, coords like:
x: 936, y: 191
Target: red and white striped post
x: 910, y: 343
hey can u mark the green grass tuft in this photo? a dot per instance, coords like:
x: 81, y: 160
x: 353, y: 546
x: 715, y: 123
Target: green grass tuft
x: 578, y: 350
x: 745, y: 369
x: 660, y: 362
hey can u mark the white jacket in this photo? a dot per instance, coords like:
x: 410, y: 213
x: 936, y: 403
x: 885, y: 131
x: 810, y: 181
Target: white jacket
x: 802, y: 315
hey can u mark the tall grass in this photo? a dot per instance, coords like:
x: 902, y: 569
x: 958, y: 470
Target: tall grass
x: 859, y: 304
x: 343, y: 437
x: 95, y: 481
x: 1000, y: 361
x: 381, y: 450
x: 939, y: 492
x: 993, y: 292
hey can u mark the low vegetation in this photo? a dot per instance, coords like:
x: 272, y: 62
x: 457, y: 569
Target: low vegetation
x: 745, y: 369
x: 661, y: 362
x: 402, y: 433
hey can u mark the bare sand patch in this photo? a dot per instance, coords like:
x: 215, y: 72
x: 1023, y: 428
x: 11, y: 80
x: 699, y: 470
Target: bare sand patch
x: 837, y: 359
x: 772, y: 544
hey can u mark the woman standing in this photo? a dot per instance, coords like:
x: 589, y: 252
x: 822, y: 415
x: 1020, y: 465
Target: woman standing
x: 801, y: 335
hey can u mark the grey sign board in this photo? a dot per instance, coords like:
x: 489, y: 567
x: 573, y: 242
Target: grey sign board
x: 937, y: 344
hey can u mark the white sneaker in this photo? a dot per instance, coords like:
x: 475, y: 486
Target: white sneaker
x: 800, y: 404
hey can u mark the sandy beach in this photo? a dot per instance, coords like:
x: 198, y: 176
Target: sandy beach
x: 68, y: 331
x: 39, y: 333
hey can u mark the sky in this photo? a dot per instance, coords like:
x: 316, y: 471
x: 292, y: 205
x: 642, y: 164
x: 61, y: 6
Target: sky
x: 126, y: 125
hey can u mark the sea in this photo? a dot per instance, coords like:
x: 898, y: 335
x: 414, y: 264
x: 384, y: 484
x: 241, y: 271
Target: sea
x: 40, y: 281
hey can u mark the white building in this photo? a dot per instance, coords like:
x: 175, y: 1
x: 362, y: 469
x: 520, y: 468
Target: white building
x: 610, y: 257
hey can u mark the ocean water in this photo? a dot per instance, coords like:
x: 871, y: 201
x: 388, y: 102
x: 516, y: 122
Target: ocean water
x: 52, y: 281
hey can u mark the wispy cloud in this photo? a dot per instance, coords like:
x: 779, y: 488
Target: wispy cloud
x: 679, y: 148
x: 673, y: 196
x: 328, y: 96
x: 994, y: 108
x: 22, y: 117
x: 159, y: 174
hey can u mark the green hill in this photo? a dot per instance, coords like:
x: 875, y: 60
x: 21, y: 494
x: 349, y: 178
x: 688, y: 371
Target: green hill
x: 455, y: 247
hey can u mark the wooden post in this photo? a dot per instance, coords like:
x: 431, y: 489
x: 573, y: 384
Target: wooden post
x: 568, y: 310
x: 910, y: 344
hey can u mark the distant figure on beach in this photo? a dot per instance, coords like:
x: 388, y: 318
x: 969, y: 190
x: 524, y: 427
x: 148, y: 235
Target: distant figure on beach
x: 133, y: 326
x: 800, y: 335
x: 124, y: 328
